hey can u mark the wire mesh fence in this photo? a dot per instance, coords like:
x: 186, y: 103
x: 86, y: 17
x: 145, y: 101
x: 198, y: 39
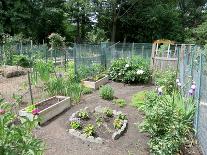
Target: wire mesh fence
x: 192, y: 67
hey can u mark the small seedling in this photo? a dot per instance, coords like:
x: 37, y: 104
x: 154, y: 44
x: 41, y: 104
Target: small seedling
x: 122, y: 116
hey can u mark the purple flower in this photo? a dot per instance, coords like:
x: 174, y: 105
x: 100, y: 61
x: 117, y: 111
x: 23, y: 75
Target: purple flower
x: 193, y: 87
x: 35, y: 112
x: 190, y: 92
x: 2, y: 111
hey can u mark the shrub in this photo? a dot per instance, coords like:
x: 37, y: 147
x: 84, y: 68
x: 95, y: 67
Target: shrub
x: 16, y: 136
x: 21, y: 60
x: 56, y: 40
x: 118, y: 123
x: 166, y: 79
x: 89, y: 130
x: 106, y: 92
x: 134, y: 70
x: 120, y: 102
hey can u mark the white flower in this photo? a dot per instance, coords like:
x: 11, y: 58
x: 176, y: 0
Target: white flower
x: 140, y: 72
x: 177, y: 80
x: 127, y: 65
x: 119, y: 74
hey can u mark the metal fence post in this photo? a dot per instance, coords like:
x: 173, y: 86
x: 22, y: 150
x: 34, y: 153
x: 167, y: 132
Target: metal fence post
x: 199, y: 92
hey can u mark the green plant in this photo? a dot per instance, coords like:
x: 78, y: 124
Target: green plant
x: 138, y: 99
x: 106, y: 92
x: 120, y: 102
x: 16, y: 133
x: 89, y: 130
x: 83, y: 114
x: 134, y: 70
x: 21, y: 60
x: 166, y: 79
x: 30, y: 108
x: 86, y: 90
x: 75, y: 125
x: 122, y: 116
x: 99, y: 121
x: 108, y: 112
x: 169, y: 120
x: 56, y: 41
x: 118, y: 123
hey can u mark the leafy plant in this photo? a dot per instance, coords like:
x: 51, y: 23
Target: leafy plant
x: 120, y: 102
x: 83, y: 114
x: 99, y: 121
x: 30, y: 108
x: 134, y: 70
x: 108, y: 112
x: 56, y: 40
x: 75, y: 125
x: 89, y: 130
x: 86, y: 90
x: 122, y: 116
x: 106, y: 92
x: 118, y: 123
x: 16, y: 133
x: 166, y: 79
x: 138, y: 99
x: 21, y: 60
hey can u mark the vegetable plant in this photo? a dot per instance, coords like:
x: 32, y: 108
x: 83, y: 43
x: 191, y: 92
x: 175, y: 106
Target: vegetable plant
x: 120, y: 102
x: 75, y: 124
x: 108, y: 112
x: 122, y: 116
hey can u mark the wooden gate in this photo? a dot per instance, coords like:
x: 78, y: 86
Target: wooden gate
x: 164, y: 55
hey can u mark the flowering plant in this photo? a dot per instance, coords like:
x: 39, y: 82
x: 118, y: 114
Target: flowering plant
x: 133, y: 70
x: 56, y: 41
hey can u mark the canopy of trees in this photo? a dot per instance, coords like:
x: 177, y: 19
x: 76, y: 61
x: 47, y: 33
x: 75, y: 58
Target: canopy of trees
x: 114, y: 20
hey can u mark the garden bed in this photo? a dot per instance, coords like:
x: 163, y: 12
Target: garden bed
x: 48, y: 108
x: 95, y: 84
x: 105, y: 124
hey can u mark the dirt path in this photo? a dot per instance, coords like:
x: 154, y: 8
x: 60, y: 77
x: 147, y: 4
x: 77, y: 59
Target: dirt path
x: 60, y: 142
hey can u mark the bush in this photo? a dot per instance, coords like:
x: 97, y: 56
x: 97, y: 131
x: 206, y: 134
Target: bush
x: 134, y: 70
x: 21, y: 60
x: 86, y: 90
x: 16, y: 136
x: 106, y: 92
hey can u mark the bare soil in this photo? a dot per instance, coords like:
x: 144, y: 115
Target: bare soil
x: 48, y: 103
x: 60, y: 142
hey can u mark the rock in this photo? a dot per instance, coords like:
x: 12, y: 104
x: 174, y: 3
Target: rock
x: 13, y: 71
x: 90, y: 139
x: 98, y: 140
x: 116, y: 135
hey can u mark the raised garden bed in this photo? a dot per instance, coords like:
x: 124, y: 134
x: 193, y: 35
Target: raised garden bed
x: 99, y: 125
x: 95, y: 84
x: 48, y: 108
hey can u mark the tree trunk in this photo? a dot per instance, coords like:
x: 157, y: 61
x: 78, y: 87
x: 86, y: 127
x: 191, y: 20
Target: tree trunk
x: 78, y: 30
x: 113, y: 37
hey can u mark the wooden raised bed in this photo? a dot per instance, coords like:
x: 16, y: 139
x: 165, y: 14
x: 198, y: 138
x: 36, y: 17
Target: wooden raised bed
x: 48, y: 108
x: 96, y: 84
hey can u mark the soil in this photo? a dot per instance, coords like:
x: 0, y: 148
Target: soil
x: 48, y: 103
x: 105, y: 130
x: 60, y: 142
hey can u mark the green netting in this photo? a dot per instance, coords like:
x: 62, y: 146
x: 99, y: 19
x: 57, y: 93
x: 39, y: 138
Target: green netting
x: 88, y: 55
